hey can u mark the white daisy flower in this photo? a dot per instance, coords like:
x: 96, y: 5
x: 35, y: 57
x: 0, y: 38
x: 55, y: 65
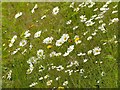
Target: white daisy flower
x: 60, y: 68
x: 81, y: 54
x: 115, y: 20
x: 18, y: 14
x: 35, y: 7
x: 29, y: 71
x: 74, y: 28
x: 13, y: 40
x: 113, y: 12
x: 69, y: 22
x: 41, y: 78
x: 65, y: 83
x: 49, y: 82
x: 40, y: 54
x: 72, y: 5
x: 14, y: 52
x: 32, y: 60
x: 37, y: 34
x: 41, y: 68
x: 58, y: 43
x: 30, y: 47
x: 9, y: 75
x: 48, y: 40
x: 33, y: 84
x: 55, y: 11
x: 89, y: 38
x: 23, y: 43
x: 52, y: 54
x: 115, y: 6
x: 89, y: 52
x: 94, y: 33
x: 44, y: 16
x: 83, y: 18
x: 27, y: 34
x: 103, y: 73
x: 57, y: 78
x: 95, y: 9
x: 96, y: 51
x: 70, y: 49
x: 85, y: 60
x: 46, y: 76
x: 65, y: 37
x: 76, y: 9
x: 65, y: 54
x: 76, y: 63
x: 89, y: 23
x: 71, y: 64
x: 81, y: 70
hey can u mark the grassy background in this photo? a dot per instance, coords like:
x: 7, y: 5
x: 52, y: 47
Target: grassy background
x: 17, y: 63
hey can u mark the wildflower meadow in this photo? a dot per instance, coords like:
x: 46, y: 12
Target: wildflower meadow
x: 60, y: 44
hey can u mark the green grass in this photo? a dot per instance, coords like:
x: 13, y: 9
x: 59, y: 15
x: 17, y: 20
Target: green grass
x: 18, y: 62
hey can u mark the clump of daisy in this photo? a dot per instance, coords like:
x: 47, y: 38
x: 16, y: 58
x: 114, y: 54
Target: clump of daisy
x: 13, y: 40
x: 48, y: 40
x: 37, y: 34
x: 18, y: 14
x: 55, y: 11
x: 96, y: 51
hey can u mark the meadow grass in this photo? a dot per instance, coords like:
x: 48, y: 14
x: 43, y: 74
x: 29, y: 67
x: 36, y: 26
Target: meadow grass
x: 99, y: 71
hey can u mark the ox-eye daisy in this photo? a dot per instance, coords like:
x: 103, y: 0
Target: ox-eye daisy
x: 18, y: 14
x: 48, y: 40
x: 37, y: 34
x: 96, y: 51
x: 55, y: 10
x: 65, y: 83
x: 49, y: 82
x: 23, y: 43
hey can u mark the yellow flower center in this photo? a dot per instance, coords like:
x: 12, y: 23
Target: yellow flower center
x: 76, y: 39
x: 49, y: 46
